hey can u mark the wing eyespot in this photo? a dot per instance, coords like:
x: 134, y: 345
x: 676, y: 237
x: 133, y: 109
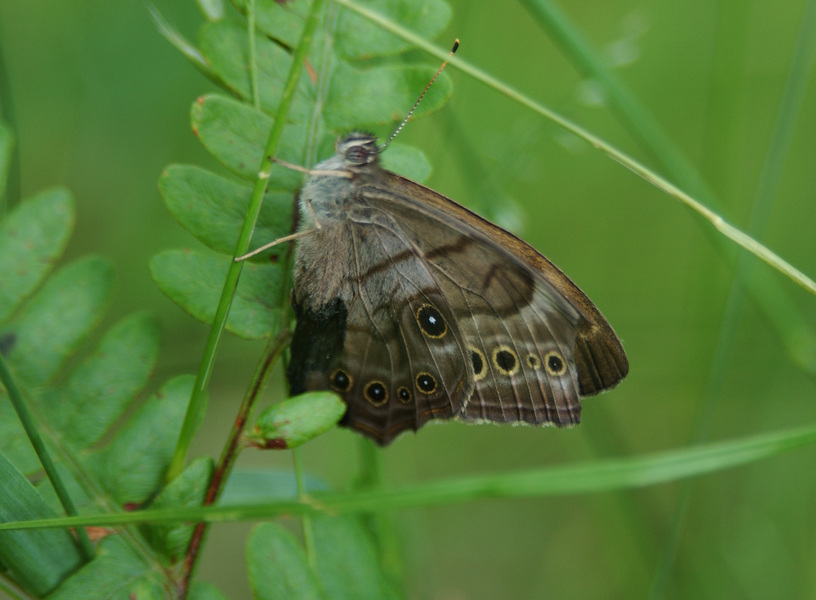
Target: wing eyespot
x: 376, y: 393
x: 404, y: 394
x: 555, y: 364
x: 426, y: 383
x: 431, y: 322
x: 340, y: 381
x: 505, y: 360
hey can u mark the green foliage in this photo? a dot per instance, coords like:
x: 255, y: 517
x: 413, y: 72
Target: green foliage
x: 77, y: 402
x: 346, y: 563
x: 277, y: 566
x: 194, y: 281
x: 85, y: 386
x: 294, y: 422
x: 350, y: 94
x: 111, y: 451
x: 37, y: 560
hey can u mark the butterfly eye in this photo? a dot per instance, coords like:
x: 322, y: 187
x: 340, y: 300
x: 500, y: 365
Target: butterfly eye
x: 404, y: 394
x: 431, y: 322
x: 360, y: 149
x: 555, y: 364
x: 477, y: 359
x: 340, y: 381
x: 505, y: 360
x: 376, y: 393
x: 426, y: 383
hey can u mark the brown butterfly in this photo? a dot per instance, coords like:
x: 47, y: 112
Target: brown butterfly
x: 413, y: 308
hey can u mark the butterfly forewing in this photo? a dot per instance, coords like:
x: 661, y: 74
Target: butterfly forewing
x: 516, y: 330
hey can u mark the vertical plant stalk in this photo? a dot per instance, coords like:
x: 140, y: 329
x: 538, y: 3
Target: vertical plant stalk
x: 197, y: 399
x: 253, y: 71
x: 306, y: 518
x: 17, y: 401
x: 230, y: 452
x: 281, y: 341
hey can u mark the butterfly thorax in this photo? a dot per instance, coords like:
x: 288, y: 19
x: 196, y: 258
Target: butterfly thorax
x: 334, y: 183
x: 329, y: 201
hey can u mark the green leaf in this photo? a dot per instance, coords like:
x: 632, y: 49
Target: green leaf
x: 358, y: 97
x: 188, y: 489
x: 200, y: 590
x: 347, y: 560
x: 117, y: 573
x: 293, y: 422
x: 225, y: 47
x: 37, y: 559
x: 32, y: 237
x: 277, y: 566
x: 212, y: 208
x: 13, y: 441
x: 132, y: 467
x: 95, y: 395
x: 282, y: 21
x: 358, y: 38
x: 194, y: 282
x: 355, y: 37
x: 407, y: 161
x: 361, y: 98
x: 58, y: 319
x: 103, y: 386
x: 235, y: 134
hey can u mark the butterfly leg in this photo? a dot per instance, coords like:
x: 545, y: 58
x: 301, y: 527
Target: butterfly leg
x: 283, y: 240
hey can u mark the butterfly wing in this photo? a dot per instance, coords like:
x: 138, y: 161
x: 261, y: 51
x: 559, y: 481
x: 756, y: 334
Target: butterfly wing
x: 413, y: 308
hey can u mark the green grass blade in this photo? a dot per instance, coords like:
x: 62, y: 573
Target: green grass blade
x: 593, y: 477
x: 33, y: 433
x: 37, y: 560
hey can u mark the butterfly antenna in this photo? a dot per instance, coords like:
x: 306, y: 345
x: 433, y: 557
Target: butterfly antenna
x: 421, y: 96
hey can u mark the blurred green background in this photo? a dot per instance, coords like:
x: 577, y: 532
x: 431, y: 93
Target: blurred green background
x: 101, y: 105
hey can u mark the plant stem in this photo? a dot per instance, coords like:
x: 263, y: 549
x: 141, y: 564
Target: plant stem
x: 306, y: 519
x: 197, y: 399
x: 230, y: 452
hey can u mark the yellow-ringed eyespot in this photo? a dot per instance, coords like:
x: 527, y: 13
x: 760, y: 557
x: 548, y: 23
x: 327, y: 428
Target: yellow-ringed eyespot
x: 505, y: 360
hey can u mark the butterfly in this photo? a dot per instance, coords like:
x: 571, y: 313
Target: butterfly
x: 412, y: 308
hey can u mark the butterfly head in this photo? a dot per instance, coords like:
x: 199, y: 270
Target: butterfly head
x: 358, y: 149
